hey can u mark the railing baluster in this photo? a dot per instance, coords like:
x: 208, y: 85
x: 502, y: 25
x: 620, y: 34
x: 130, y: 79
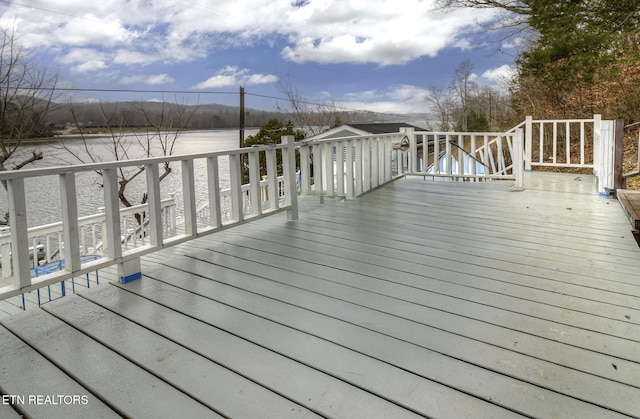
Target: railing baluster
x: 359, y: 164
x: 189, y: 198
x: 272, y: 179
x: 541, y: 145
x: 69, y: 223
x: 112, y: 214
x: 154, y: 205
x: 349, y: 168
x: 235, y: 169
x: 289, y: 172
x: 318, y: 173
x: 568, y: 141
x: 18, y: 222
x: 215, y: 217
x: 255, y: 193
x: 339, y: 168
x: 305, y: 170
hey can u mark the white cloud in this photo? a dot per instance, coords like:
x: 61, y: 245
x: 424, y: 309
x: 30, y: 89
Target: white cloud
x: 323, y: 31
x: 153, y: 79
x: 499, y: 77
x: 402, y: 98
x: 233, y: 76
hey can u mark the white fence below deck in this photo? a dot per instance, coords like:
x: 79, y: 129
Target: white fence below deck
x: 124, y: 244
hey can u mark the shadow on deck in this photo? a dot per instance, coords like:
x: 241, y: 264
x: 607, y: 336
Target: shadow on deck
x: 423, y: 298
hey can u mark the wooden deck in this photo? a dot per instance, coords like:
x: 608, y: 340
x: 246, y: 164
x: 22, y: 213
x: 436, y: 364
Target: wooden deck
x: 421, y: 298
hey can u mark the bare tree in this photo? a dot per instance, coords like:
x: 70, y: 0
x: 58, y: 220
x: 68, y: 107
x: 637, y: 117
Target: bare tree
x: 442, y: 106
x: 312, y: 118
x: 162, y: 128
x: 462, y: 86
x: 26, y: 94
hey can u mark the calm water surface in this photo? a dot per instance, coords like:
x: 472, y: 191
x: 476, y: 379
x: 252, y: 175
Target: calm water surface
x: 43, y: 194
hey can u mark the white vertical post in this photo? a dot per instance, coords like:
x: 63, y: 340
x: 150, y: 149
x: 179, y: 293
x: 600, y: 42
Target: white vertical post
x: 305, y: 170
x: 366, y: 164
x: 289, y: 169
x: 448, y: 157
x: 19, y: 234
x: 272, y: 178
x: 317, y: 151
x: 528, y: 141
x: 567, y: 139
x: 436, y: 153
x: 349, y: 166
x: 155, y: 209
x: 112, y: 214
x: 582, y: 134
x: 340, y: 168
x: 69, y: 223
x: 597, y: 142
x: 461, y: 167
x: 518, y: 159
x: 387, y: 157
x: 235, y: 172
x: 189, y: 198
x: 215, y: 218
x: 374, y: 146
x: 555, y: 141
x: 255, y: 193
x: 359, y: 164
x: 329, y: 178
x: 473, y: 153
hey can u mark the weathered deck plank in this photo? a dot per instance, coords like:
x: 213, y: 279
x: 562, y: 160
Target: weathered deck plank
x: 193, y: 374
x: 438, y: 299
x: 124, y: 386
x: 26, y: 373
x: 404, y: 342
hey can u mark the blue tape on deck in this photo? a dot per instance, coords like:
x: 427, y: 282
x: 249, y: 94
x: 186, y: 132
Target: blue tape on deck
x: 129, y: 278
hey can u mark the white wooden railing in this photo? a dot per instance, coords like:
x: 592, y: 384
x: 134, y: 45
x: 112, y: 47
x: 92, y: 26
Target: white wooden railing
x: 203, y: 212
x: 121, y: 254
x: 350, y: 166
x: 468, y: 156
x: 46, y: 242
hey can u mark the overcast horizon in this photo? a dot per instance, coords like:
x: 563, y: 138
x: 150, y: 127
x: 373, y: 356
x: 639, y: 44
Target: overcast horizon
x: 374, y: 55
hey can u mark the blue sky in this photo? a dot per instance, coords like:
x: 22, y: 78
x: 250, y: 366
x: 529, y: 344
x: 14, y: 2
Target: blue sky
x: 377, y: 55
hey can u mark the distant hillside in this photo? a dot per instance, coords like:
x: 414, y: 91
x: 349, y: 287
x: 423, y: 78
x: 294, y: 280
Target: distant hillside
x: 205, y: 116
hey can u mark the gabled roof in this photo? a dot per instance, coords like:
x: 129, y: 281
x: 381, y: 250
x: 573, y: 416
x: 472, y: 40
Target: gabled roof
x: 384, y: 127
x: 352, y: 130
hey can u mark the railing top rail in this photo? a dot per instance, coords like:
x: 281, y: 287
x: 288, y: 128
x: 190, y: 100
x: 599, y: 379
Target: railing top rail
x: 561, y: 120
x: 444, y: 133
x: 348, y: 138
x: 58, y: 170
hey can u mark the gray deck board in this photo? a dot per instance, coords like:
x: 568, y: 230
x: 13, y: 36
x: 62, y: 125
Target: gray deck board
x: 24, y: 372
x: 437, y: 299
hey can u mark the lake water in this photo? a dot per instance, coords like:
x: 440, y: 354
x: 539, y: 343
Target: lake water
x: 43, y: 194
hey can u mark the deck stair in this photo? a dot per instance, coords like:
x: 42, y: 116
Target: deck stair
x: 630, y: 202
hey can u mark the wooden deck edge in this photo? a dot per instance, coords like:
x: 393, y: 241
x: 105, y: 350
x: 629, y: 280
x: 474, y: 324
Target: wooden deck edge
x: 630, y: 201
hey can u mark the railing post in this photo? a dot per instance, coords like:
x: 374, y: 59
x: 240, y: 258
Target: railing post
x: 289, y: 169
x: 518, y: 160
x: 19, y: 234
x: 528, y: 142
